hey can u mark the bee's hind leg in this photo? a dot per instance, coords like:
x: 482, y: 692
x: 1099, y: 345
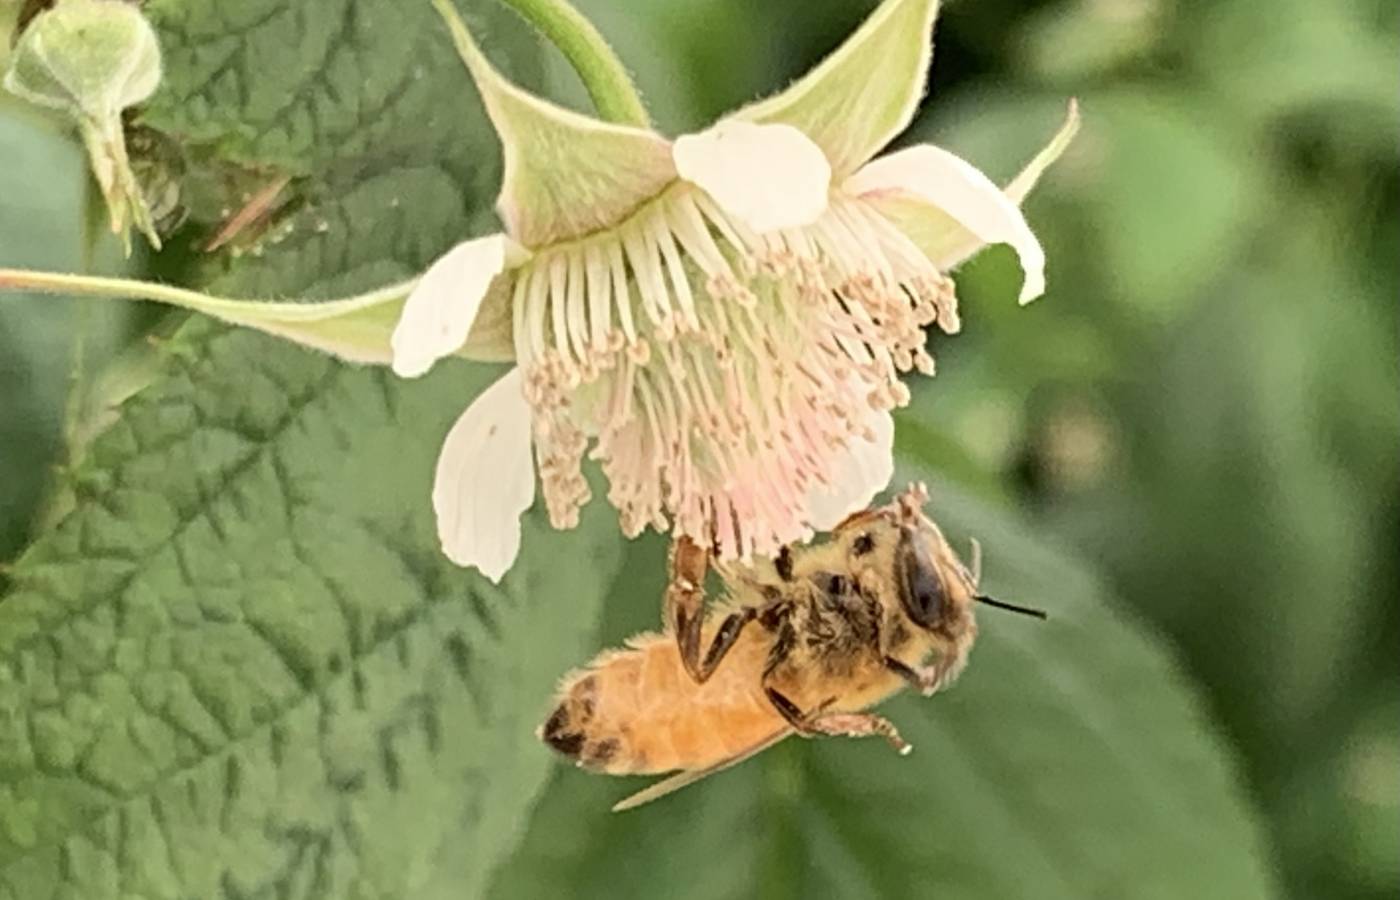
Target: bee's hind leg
x: 837, y: 724
x: 685, y: 611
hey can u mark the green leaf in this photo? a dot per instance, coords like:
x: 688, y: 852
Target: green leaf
x: 1077, y: 41
x: 306, y: 87
x: 241, y: 666
x: 1294, y: 510
x: 41, y: 224
x: 242, y: 660
x: 1334, y: 57
x: 1069, y: 761
x: 33, y: 344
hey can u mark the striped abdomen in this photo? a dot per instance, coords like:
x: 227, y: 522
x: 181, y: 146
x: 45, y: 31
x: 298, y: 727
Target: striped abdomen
x: 636, y: 711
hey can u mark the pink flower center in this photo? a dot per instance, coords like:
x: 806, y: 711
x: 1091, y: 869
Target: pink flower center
x: 716, y: 373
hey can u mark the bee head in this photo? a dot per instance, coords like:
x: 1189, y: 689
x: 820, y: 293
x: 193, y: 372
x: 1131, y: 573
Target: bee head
x: 935, y: 589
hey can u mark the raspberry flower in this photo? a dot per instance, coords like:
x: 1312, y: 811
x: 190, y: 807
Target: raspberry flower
x: 720, y: 321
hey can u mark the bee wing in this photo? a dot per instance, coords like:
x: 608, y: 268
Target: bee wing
x: 659, y: 789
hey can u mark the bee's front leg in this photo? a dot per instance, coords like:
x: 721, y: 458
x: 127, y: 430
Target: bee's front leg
x: 685, y: 611
x: 924, y: 679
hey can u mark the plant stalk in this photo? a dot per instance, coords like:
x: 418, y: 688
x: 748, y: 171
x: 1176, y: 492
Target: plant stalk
x: 598, y: 67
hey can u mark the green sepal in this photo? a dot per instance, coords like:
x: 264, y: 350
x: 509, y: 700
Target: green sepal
x: 355, y: 329
x: 866, y: 92
x: 566, y: 174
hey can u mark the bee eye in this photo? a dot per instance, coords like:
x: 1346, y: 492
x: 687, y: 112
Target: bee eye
x: 837, y: 585
x: 921, y: 587
x: 926, y: 591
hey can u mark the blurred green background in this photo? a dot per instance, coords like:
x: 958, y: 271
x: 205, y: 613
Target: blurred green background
x: 1204, y: 404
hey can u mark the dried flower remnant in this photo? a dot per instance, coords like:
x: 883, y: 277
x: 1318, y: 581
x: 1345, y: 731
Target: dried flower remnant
x: 92, y: 59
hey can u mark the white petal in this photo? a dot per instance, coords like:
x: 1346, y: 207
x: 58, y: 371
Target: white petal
x: 863, y: 471
x: 440, y: 310
x: 768, y: 176
x: 485, y: 479
x: 961, y: 190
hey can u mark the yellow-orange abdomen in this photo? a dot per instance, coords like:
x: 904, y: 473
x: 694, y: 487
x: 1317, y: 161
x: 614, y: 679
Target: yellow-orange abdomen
x: 637, y: 711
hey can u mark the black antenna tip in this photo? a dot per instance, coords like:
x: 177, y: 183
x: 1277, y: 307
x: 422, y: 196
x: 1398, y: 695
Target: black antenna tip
x: 1011, y: 607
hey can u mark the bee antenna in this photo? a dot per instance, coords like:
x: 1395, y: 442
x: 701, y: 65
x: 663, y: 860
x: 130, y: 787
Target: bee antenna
x: 1011, y: 607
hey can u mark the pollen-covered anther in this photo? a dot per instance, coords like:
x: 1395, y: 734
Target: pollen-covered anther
x: 947, y: 303
x: 559, y: 449
x: 725, y: 287
x: 639, y: 352
x: 715, y: 373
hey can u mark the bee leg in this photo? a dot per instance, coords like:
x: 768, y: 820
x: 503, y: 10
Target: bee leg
x: 789, y: 711
x: 860, y: 725
x: 684, y: 602
x: 729, y: 631
x: 926, y: 681
x: 782, y: 563
x: 836, y: 724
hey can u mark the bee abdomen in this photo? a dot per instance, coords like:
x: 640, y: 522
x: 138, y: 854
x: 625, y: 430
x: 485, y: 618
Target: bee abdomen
x: 560, y: 732
x: 572, y: 728
x: 637, y: 711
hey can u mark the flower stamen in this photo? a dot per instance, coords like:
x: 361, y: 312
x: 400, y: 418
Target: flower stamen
x: 715, y: 373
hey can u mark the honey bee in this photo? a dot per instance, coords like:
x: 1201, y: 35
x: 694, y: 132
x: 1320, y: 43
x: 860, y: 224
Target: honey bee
x: 801, y: 645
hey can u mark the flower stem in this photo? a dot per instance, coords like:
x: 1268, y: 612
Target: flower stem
x: 598, y: 67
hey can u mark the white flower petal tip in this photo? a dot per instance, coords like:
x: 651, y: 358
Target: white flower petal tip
x: 441, y: 308
x: 769, y: 176
x: 862, y: 471
x: 486, y: 479
x: 965, y: 194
